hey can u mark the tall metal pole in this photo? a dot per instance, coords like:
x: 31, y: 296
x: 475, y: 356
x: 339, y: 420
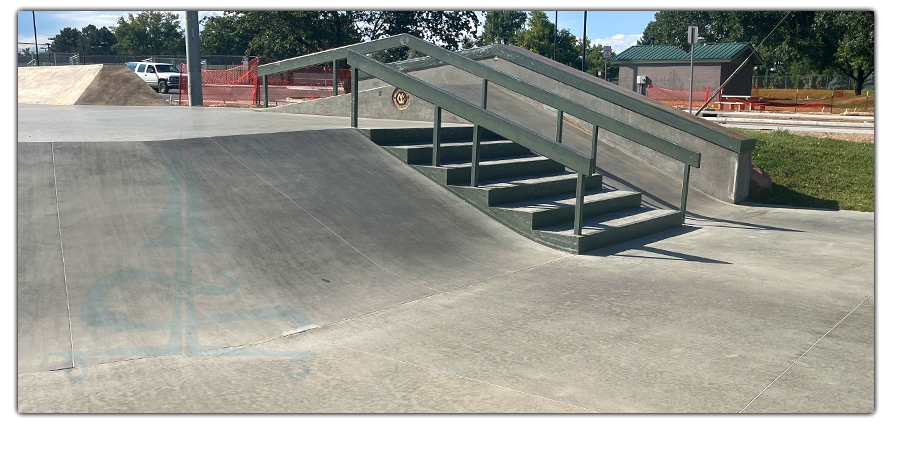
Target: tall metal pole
x: 584, y: 43
x: 37, y: 59
x: 192, y: 44
x: 693, y: 33
x: 555, y: 33
x: 691, y: 88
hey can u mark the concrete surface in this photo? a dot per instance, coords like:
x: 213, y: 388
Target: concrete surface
x: 416, y: 301
x: 94, y: 84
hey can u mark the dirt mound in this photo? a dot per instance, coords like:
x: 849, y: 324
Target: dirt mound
x: 84, y: 85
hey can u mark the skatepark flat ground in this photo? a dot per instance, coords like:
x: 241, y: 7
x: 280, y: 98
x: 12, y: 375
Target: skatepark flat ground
x: 415, y: 301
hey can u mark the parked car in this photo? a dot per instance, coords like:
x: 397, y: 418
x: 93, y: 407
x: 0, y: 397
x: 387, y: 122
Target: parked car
x: 160, y: 76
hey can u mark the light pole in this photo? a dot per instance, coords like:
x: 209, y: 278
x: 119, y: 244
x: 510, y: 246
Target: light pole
x: 37, y: 51
x: 584, y: 44
x: 692, y: 39
x: 555, y: 32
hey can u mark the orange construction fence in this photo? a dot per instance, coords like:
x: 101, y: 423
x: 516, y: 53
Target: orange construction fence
x: 241, y: 86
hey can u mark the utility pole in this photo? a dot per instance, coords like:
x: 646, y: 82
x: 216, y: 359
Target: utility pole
x: 692, y: 39
x: 192, y: 42
x: 584, y: 44
x: 607, y: 52
x: 37, y: 51
x: 555, y: 33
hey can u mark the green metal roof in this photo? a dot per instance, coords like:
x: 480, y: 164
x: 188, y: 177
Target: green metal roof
x: 725, y: 51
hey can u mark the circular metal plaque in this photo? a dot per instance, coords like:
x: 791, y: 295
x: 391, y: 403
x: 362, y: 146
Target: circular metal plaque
x: 400, y: 98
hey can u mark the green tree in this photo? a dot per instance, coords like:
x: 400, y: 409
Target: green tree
x: 93, y: 40
x: 448, y: 29
x: 788, y: 45
x: 149, y: 32
x: 220, y: 36
x: 538, y: 35
x: 849, y: 38
x: 66, y: 41
x: 286, y: 34
x: 502, y: 27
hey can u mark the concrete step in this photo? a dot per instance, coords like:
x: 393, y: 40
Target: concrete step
x: 490, y: 170
x: 516, y: 189
x: 538, y: 213
x: 609, y: 229
x: 457, y: 152
x: 403, y: 136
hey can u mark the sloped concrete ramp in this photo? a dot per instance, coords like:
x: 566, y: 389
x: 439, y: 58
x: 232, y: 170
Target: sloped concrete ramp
x: 277, y: 231
x: 94, y: 84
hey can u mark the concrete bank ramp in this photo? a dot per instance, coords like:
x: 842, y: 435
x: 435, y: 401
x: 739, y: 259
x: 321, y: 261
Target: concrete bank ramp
x: 95, y: 84
x: 244, y: 238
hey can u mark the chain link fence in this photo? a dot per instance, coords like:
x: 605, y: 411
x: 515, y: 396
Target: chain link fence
x: 811, y: 81
x: 64, y: 59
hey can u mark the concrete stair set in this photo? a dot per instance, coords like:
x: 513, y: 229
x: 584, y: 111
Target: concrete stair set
x: 531, y: 194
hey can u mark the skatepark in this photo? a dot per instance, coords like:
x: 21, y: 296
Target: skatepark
x: 187, y: 259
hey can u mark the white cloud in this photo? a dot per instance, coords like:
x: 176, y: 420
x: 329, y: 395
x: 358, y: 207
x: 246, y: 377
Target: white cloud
x: 618, y: 42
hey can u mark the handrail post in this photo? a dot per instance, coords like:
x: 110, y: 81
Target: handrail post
x: 594, y: 135
x: 436, y: 140
x: 476, y: 141
x: 559, y: 125
x: 334, y: 78
x: 579, y: 203
x: 354, y: 97
x: 484, y: 93
x: 265, y: 91
x: 684, y: 190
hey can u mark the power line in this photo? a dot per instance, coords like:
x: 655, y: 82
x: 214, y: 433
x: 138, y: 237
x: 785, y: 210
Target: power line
x: 752, y: 52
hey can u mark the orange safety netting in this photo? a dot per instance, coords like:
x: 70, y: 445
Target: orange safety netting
x: 306, y: 83
x: 238, y: 86
x: 660, y: 93
x: 241, y: 86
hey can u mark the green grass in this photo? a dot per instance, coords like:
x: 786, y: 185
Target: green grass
x: 815, y: 172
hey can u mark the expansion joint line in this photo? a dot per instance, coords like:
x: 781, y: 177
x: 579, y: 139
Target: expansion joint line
x: 804, y: 352
x: 320, y: 222
x: 62, y: 253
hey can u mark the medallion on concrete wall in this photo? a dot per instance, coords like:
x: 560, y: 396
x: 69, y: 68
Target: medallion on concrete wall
x: 400, y: 98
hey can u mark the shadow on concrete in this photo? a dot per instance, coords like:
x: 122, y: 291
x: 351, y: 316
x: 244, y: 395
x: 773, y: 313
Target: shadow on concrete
x: 782, y: 195
x: 641, y: 244
x: 727, y: 223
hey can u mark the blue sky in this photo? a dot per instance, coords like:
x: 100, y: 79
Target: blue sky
x: 619, y: 29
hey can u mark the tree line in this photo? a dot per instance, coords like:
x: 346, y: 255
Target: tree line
x: 827, y: 42
x: 804, y: 42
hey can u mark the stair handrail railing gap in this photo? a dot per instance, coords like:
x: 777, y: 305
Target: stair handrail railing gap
x: 480, y: 117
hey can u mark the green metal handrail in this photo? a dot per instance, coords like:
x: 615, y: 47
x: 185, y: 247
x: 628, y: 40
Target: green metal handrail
x: 687, y: 124
x: 480, y: 117
x: 562, y: 104
x: 475, y: 114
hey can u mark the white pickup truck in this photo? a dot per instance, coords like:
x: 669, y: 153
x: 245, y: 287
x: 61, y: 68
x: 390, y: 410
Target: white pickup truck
x: 160, y: 76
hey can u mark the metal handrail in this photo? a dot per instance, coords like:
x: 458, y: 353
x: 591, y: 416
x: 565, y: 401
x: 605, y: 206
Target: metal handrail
x: 562, y: 104
x: 480, y: 117
x: 687, y: 124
